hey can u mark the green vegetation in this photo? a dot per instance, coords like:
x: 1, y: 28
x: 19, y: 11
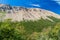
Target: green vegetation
x: 2, y: 15
x: 30, y: 30
x: 2, y: 12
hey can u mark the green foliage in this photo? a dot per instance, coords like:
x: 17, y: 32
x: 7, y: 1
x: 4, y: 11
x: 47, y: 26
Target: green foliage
x: 36, y: 26
x: 30, y: 30
x: 50, y: 33
x: 9, y: 31
x: 2, y: 12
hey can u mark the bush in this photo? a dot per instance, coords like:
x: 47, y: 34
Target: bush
x: 30, y: 30
x: 9, y: 31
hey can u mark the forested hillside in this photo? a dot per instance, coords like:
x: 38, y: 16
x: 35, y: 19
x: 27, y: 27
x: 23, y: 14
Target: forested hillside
x: 18, y: 23
x: 30, y: 30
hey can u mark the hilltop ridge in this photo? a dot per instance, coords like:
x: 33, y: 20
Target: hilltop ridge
x: 17, y: 13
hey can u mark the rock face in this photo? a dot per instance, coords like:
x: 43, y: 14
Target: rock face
x: 20, y: 13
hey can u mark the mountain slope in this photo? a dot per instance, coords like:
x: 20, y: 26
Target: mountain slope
x: 20, y: 13
x: 30, y: 24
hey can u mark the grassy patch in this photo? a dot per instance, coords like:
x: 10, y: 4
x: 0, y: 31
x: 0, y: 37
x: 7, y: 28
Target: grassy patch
x: 30, y: 30
x: 2, y: 12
